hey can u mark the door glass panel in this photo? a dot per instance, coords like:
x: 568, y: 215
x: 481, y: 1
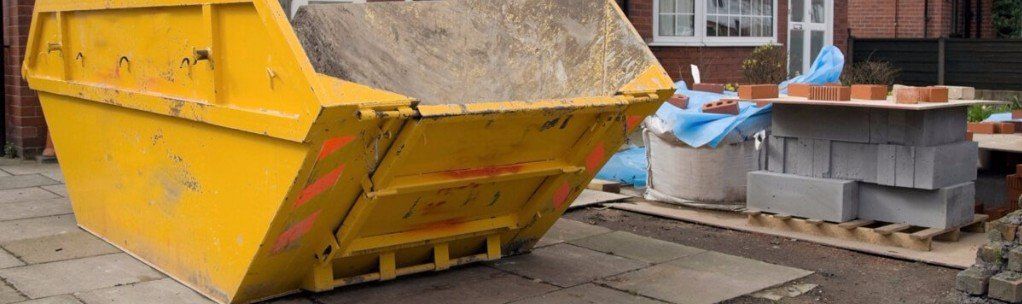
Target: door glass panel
x: 795, y: 47
x: 798, y: 10
x: 818, y: 11
x: 815, y: 44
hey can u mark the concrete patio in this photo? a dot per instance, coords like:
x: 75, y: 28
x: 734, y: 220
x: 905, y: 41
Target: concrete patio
x: 46, y: 258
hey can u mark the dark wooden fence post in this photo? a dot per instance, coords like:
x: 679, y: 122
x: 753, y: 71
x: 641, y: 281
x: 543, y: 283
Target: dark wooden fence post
x: 941, y: 59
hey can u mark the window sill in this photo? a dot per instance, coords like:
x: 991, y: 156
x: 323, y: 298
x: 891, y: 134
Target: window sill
x: 740, y: 42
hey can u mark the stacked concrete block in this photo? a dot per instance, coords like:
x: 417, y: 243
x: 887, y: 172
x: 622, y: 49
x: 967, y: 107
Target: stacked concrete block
x: 913, y: 167
x: 826, y: 199
x: 997, y: 274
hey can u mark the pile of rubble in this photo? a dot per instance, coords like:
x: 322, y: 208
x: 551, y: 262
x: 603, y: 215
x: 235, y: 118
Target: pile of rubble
x: 997, y: 274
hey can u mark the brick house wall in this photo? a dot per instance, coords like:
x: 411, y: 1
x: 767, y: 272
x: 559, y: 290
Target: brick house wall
x: 908, y: 18
x: 718, y: 64
x: 24, y: 124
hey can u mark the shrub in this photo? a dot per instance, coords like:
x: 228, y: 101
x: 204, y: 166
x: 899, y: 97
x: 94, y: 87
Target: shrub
x: 766, y: 64
x: 870, y: 72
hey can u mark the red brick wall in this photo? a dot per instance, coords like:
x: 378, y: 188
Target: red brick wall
x: 719, y: 64
x: 24, y: 123
x: 906, y: 18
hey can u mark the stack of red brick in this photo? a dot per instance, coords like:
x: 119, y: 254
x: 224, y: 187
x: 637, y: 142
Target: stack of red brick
x: 1014, y: 185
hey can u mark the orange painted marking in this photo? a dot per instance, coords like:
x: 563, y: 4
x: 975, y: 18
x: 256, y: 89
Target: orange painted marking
x: 294, y: 232
x: 322, y: 184
x: 595, y: 158
x: 484, y: 172
x: 632, y: 121
x: 332, y: 145
x: 561, y: 195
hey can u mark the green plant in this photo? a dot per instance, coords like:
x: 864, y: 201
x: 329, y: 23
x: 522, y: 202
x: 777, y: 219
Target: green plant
x: 870, y: 71
x: 982, y: 112
x: 9, y: 151
x: 765, y: 65
x: 1007, y: 18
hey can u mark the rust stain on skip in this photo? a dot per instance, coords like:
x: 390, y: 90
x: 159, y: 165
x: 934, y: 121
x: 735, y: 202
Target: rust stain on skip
x: 485, y: 172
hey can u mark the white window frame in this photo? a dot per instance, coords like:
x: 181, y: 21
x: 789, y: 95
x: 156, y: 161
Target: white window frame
x: 700, y: 38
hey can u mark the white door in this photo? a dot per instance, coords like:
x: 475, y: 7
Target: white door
x: 810, y: 28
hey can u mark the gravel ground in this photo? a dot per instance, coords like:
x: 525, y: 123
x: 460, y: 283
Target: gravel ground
x: 842, y: 276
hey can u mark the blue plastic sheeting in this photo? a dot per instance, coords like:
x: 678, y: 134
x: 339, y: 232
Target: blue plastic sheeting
x: 697, y: 129
x: 627, y: 167
x: 826, y: 69
x: 999, y: 117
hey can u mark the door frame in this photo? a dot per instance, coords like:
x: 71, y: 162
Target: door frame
x: 808, y: 27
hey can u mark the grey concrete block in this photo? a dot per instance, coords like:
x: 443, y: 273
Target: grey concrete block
x: 876, y: 126
x: 925, y: 167
x: 165, y: 291
x: 942, y: 208
x: 636, y: 247
x: 49, y: 279
x: 1015, y: 259
x: 71, y: 245
x: 1006, y: 286
x: 567, y: 265
x: 825, y: 199
x: 973, y: 280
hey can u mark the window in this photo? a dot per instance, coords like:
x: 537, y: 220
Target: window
x: 714, y: 22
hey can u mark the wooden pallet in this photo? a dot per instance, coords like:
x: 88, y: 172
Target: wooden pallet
x: 873, y: 232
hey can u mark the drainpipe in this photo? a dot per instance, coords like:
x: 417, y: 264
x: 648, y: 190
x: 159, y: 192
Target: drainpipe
x: 979, y: 18
x: 896, y: 13
x: 926, y: 19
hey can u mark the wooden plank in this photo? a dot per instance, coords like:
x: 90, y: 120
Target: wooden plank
x: 892, y: 228
x: 605, y: 186
x: 855, y: 224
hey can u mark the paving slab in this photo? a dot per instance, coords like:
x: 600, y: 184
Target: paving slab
x: 25, y: 194
x: 61, y: 299
x: 30, y: 168
x: 567, y: 265
x: 164, y: 291
x: 49, y: 279
x: 8, y: 260
x: 34, y: 208
x: 708, y: 277
x: 588, y: 294
x: 636, y: 247
x: 566, y: 230
x: 9, y: 295
x: 54, y: 175
x: 25, y: 181
x: 291, y: 300
x: 472, y: 284
x: 71, y: 245
x: 60, y: 189
x: 16, y: 230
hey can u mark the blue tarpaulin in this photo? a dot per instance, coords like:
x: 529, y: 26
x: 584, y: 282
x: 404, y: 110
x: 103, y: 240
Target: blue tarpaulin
x: 697, y: 129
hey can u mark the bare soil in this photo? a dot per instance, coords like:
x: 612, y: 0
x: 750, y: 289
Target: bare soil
x: 843, y: 276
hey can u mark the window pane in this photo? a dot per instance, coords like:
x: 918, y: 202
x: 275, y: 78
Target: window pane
x: 667, y: 6
x: 756, y: 27
x: 818, y: 11
x: 746, y: 7
x: 666, y: 25
x: 711, y: 6
x: 684, y: 25
x: 686, y: 6
x: 711, y: 26
x: 732, y: 7
x: 798, y: 10
x: 795, y: 52
x: 815, y: 44
x: 743, y: 26
x: 768, y: 7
